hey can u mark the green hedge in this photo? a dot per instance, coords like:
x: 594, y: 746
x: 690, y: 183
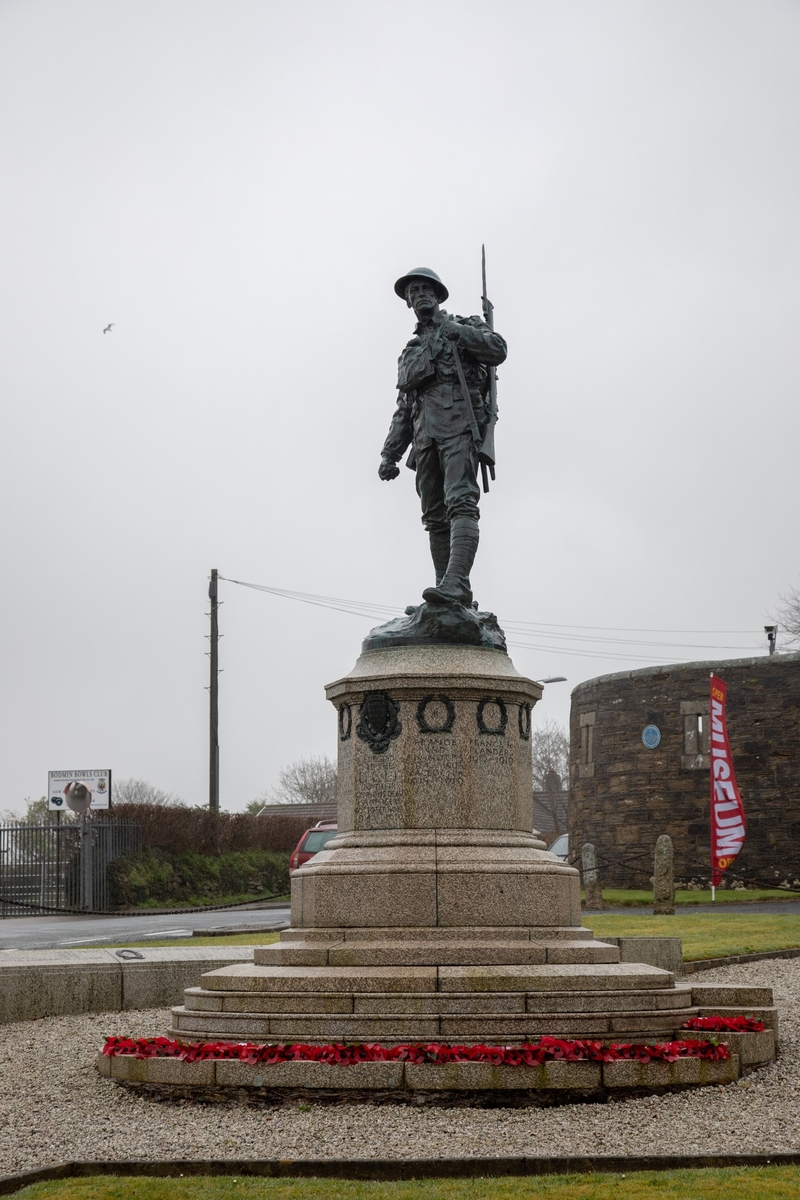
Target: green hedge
x: 160, y: 877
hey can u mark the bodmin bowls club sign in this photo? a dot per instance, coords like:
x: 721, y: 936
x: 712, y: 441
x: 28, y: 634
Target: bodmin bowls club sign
x: 77, y: 791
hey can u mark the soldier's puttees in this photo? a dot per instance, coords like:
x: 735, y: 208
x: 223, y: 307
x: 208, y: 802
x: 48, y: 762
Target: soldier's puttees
x: 443, y: 412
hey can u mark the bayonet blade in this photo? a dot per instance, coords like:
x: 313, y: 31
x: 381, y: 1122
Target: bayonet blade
x: 488, y: 307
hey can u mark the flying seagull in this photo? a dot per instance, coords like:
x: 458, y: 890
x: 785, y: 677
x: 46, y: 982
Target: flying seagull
x: 108, y: 328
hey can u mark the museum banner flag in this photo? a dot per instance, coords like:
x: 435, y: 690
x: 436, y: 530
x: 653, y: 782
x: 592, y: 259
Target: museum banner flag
x: 727, y: 811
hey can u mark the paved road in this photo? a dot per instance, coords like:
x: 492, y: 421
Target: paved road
x: 754, y: 906
x: 63, y: 931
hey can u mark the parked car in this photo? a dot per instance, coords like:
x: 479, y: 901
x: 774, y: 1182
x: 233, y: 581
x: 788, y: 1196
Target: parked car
x: 560, y: 847
x: 312, y: 841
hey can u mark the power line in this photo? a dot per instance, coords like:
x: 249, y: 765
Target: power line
x: 522, y: 629
x: 358, y: 608
x: 650, y: 658
x: 583, y: 637
x: 623, y: 629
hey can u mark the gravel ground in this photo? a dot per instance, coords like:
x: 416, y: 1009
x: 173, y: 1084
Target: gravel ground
x: 54, y: 1107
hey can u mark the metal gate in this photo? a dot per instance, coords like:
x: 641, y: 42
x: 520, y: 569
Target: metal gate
x: 62, y: 868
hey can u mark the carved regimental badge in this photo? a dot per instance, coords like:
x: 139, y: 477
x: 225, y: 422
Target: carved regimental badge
x: 435, y: 714
x: 378, y: 721
x: 345, y: 722
x: 492, y: 716
x: 524, y: 721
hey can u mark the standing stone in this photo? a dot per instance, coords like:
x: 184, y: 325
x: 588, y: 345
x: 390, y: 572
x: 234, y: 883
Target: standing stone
x: 664, y: 878
x: 591, y: 886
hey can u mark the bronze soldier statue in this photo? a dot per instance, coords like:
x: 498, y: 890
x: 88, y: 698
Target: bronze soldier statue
x: 446, y: 357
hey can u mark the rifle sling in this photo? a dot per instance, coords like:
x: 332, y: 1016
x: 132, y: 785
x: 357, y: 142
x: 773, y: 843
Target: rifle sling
x: 462, y: 383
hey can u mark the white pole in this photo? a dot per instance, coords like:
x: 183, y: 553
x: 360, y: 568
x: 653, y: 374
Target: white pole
x: 713, y: 889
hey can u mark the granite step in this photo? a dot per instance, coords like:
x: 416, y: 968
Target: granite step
x: 485, y: 934
x: 200, y: 1000
x: 435, y: 1003
x: 543, y: 977
x: 254, y: 978
x: 367, y: 954
x: 769, y: 1016
x: 741, y: 995
x: 573, y: 977
x: 655, y: 1000
x: 648, y: 1026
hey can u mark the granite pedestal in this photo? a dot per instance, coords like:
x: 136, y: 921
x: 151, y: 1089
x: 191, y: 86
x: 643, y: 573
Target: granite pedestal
x: 437, y: 912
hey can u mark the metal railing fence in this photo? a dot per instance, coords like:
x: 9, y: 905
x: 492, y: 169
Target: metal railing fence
x: 61, y: 868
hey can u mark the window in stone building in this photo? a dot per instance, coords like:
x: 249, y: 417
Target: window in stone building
x: 696, y: 732
x: 587, y: 745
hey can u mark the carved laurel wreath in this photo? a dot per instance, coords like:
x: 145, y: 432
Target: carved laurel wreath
x: 450, y: 711
x: 495, y: 729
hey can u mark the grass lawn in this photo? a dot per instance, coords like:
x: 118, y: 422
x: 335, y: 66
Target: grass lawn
x: 705, y: 934
x: 732, y: 1183
x: 633, y: 897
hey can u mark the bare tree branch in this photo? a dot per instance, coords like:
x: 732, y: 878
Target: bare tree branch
x: 787, y: 618
x: 550, y: 745
x: 139, y: 791
x: 307, y: 781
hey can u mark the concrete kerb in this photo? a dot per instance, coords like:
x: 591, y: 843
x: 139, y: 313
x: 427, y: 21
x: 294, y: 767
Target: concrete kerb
x: 56, y: 983
x: 385, y: 1170
x: 732, y: 960
x: 227, y: 930
x: 667, y: 952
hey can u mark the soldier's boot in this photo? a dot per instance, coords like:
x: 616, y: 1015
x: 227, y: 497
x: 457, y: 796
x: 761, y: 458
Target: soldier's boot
x: 440, y: 553
x: 454, y: 588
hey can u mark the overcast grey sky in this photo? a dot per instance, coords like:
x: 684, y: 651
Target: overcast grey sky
x: 236, y: 185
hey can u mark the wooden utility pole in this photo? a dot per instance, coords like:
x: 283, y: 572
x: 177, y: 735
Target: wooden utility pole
x: 213, y: 692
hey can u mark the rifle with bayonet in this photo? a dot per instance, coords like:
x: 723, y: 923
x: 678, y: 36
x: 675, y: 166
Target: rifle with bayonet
x: 486, y: 455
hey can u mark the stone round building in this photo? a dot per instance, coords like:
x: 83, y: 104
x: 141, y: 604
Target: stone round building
x: 639, y: 767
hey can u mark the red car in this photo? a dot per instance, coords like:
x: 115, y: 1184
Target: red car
x: 312, y: 841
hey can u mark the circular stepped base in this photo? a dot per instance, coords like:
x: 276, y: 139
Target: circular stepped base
x: 434, y: 984
x: 435, y: 914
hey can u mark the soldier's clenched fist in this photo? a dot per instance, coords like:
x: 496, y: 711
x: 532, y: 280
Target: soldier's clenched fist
x: 388, y: 469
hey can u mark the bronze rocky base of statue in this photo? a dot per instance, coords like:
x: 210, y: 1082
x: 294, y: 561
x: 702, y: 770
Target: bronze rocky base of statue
x: 438, y: 624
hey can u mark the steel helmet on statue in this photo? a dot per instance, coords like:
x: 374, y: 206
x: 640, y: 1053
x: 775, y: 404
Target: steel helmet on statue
x: 422, y: 273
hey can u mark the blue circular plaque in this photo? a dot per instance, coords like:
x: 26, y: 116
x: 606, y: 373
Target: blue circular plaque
x: 651, y: 736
